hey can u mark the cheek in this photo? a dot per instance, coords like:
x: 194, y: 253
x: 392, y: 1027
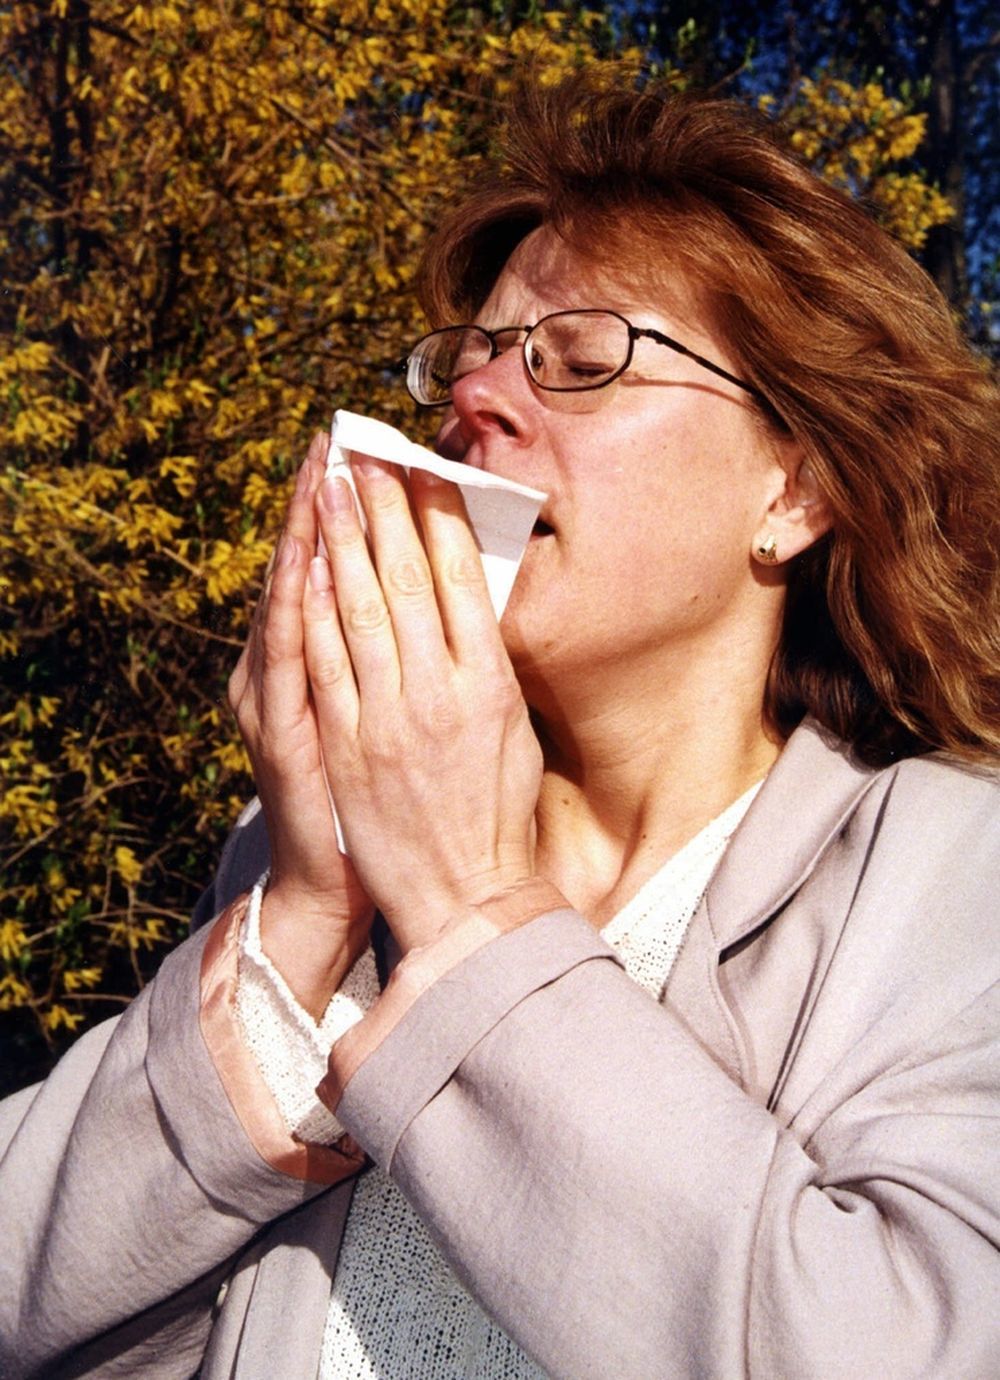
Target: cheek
x: 649, y: 506
x: 651, y: 532
x: 702, y: 480
x: 664, y: 552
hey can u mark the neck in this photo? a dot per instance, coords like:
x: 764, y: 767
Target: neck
x: 635, y: 765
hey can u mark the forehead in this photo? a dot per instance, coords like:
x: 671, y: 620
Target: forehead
x: 547, y: 273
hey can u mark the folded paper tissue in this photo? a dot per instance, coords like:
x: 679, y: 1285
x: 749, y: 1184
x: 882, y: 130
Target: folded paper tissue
x: 501, y: 512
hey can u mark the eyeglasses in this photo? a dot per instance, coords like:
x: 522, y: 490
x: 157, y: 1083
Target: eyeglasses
x: 566, y: 352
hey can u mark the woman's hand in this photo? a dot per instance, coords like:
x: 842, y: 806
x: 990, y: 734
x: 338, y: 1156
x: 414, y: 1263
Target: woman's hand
x: 424, y: 730
x: 316, y: 916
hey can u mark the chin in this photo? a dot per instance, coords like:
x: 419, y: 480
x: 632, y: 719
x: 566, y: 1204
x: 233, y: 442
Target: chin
x: 531, y: 651
x: 515, y: 632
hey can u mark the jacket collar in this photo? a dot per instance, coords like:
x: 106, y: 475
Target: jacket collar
x: 811, y: 790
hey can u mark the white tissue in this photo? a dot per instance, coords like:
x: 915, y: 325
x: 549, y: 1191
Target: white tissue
x: 501, y: 512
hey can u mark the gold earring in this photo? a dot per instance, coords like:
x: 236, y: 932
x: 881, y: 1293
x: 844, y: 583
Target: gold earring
x: 767, y: 551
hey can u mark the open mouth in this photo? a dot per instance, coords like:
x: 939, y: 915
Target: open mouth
x: 541, y: 529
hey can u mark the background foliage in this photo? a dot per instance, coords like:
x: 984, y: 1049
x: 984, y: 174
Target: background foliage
x: 940, y: 57
x: 212, y: 214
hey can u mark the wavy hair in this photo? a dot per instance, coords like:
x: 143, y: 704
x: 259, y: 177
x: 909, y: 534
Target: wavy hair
x: 890, y: 636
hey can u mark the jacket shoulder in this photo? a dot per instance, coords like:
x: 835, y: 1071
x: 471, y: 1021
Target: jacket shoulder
x: 933, y: 802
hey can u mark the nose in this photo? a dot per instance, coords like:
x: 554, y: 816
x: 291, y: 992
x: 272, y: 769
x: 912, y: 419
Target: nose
x: 496, y: 399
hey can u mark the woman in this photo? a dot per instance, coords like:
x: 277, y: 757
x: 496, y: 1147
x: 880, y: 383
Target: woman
x: 662, y: 1114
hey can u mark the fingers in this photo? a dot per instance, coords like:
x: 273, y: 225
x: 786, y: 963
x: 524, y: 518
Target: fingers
x: 291, y: 555
x: 404, y: 573
x: 300, y: 516
x: 429, y: 566
x: 352, y: 629
x: 300, y: 520
x: 457, y: 568
x: 327, y: 660
x: 284, y: 688
x: 413, y: 602
x: 402, y: 724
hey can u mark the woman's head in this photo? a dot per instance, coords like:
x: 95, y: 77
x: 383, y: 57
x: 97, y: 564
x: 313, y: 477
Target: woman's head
x: 890, y: 634
x: 638, y: 582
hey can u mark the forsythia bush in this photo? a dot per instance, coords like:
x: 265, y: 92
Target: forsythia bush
x: 213, y: 214
x: 857, y: 137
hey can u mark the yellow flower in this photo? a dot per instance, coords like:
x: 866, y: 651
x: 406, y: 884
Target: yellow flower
x: 76, y: 978
x: 57, y: 1016
x: 13, y: 940
x: 127, y: 864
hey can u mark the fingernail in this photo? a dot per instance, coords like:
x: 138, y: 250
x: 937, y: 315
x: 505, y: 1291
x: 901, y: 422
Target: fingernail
x: 429, y: 479
x: 319, y: 574
x: 371, y: 469
x: 336, y: 497
x: 318, y: 446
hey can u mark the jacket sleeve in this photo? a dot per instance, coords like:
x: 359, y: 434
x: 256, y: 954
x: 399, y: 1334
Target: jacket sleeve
x: 625, y: 1206
x: 129, y: 1185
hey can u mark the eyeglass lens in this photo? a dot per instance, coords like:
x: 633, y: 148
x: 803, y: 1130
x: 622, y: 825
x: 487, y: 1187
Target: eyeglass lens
x: 441, y: 359
x: 575, y: 350
x: 565, y: 352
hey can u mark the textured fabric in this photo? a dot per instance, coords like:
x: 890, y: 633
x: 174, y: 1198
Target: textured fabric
x: 129, y: 1191
x: 290, y: 1047
x: 426, y: 965
x: 795, y: 1168
x: 648, y: 931
x: 240, y: 1074
x: 407, y: 1315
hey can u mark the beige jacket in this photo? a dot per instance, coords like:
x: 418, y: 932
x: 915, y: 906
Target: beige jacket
x: 790, y: 1168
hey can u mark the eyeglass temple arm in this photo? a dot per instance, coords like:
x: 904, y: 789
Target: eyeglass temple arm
x: 667, y: 340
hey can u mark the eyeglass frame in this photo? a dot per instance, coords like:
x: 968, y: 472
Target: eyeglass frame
x: 634, y: 333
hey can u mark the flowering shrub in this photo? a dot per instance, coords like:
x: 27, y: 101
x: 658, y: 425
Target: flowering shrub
x: 856, y: 136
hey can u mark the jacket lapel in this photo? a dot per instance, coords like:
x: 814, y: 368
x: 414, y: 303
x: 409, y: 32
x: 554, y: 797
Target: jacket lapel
x: 813, y: 788
x: 811, y: 792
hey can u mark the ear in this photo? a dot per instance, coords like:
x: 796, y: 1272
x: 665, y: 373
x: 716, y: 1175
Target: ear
x: 797, y: 514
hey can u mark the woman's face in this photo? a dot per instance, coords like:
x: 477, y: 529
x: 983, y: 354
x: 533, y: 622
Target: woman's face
x: 656, y: 484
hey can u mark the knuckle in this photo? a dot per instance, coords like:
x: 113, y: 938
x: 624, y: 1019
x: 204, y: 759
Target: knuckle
x: 270, y: 661
x: 367, y: 617
x: 272, y: 649
x: 409, y: 577
x: 509, y: 694
x: 464, y: 571
x: 387, y: 497
x: 442, y: 715
x: 327, y: 674
x: 503, y: 699
x: 382, y: 743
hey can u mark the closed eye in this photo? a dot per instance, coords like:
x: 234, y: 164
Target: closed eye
x: 581, y: 370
